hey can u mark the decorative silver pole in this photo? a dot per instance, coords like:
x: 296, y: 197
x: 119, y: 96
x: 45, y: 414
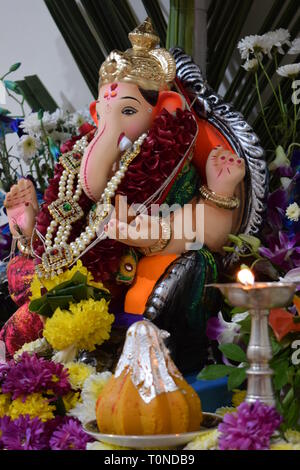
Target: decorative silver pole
x: 259, y: 298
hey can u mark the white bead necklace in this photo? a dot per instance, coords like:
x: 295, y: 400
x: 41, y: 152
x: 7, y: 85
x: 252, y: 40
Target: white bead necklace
x: 65, y: 210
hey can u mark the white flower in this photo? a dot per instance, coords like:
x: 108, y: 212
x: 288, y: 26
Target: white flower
x: 292, y: 276
x: 238, y: 317
x: 228, y: 331
x: 66, y: 355
x: 86, y: 411
x: 279, y: 38
x: 293, y: 212
x: 280, y: 160
x: 285, y: 182
x: 251, y: 65
x: 295, y: 48
x: 27, y: 147
x: 79, y: 117
x: 290, y: 70
x: 258, y: 45
x: 205, y: 441
x: 37, y: 346
x: 31, y: 125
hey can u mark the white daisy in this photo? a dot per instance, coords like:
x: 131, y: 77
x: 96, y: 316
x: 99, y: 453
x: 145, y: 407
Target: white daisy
x: 293, y: 212
x: 290, y: 70
x: 279, y: 38
x: 251, y: 65
x: 32, y: 125
x: 295, y: 48
x: 254, y: 44
x: 34, y: 347
x: 80, y: 117
x: 86, y: 410
x: 27, y: 147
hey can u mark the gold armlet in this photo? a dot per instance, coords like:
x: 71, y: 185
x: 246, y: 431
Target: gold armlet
x: 224, y: 202
x: 163, y: 241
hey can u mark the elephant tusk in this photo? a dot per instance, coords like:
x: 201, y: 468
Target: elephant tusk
x: 125, y: 143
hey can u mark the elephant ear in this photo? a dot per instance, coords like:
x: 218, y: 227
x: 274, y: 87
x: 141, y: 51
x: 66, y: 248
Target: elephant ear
x: 169, y: 100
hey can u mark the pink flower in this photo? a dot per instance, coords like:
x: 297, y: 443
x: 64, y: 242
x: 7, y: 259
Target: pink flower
x: 250, y: 428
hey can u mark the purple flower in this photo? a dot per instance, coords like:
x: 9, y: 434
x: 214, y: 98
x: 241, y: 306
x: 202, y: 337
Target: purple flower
x: 23, y: 433
x: 32, y: 374
x: 283, y: 251
x: 69, y: 436
x: 250, y: 428
x: 219, y: 330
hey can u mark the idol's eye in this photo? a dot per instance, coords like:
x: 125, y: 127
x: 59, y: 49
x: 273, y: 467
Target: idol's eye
x: 129, y: 111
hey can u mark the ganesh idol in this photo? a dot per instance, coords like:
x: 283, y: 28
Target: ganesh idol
x: 144, y: 152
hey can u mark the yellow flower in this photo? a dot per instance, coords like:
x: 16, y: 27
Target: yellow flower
x: 224, y: 410
x: 35, y: 405
x: 238, y: 397
x: 292, y: 436
x: 78, y: 373
x: 5, y: 401
x: 103, y: 446
x: 85, y: 325
x: 70, y: 400
x: 284, y: 446
x: 37, y: 284
x: 205, y: 441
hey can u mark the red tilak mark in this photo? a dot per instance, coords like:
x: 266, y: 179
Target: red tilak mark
x: 239, y: 161
x: 228, y: 171
x: 231, y: 160
x: 113, y: 94
x: 221, y: 171
x: 223, y: 158
x: 113, y: 86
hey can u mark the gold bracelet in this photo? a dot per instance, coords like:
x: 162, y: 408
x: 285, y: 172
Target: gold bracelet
x: 25, y: 248
x: 224, y: 202
x: 162, y: 242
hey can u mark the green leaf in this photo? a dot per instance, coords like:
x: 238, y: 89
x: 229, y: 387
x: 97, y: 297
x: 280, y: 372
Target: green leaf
x: 236, y: 378
x: 40, y: 114
x: 61, y: 301
x: 233, y: 352
x: 293, y: 414
x: 214, y: 371
x: 281, y: 375
x: 228, y: 249
x: 13, y: 86
x: 14, y: 67
x: 237, y: 310
x: 234, y: 239
x: 250, y: 240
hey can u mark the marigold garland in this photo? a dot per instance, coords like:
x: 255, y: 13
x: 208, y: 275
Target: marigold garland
x: 85, y: 325
x: 38, y: 285
x: 34, y: 405
x: 78, y: 373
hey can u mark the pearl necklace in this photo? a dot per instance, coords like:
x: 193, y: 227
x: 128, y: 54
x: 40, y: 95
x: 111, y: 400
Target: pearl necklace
x: 65, y: 211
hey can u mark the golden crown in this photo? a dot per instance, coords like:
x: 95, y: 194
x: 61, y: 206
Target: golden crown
x: 146, y: 64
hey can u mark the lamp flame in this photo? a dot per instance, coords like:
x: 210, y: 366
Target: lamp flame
x: 245, y: 277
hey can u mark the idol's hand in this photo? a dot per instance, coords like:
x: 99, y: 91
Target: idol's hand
x: 142, y: 231
x: 224, y: 171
